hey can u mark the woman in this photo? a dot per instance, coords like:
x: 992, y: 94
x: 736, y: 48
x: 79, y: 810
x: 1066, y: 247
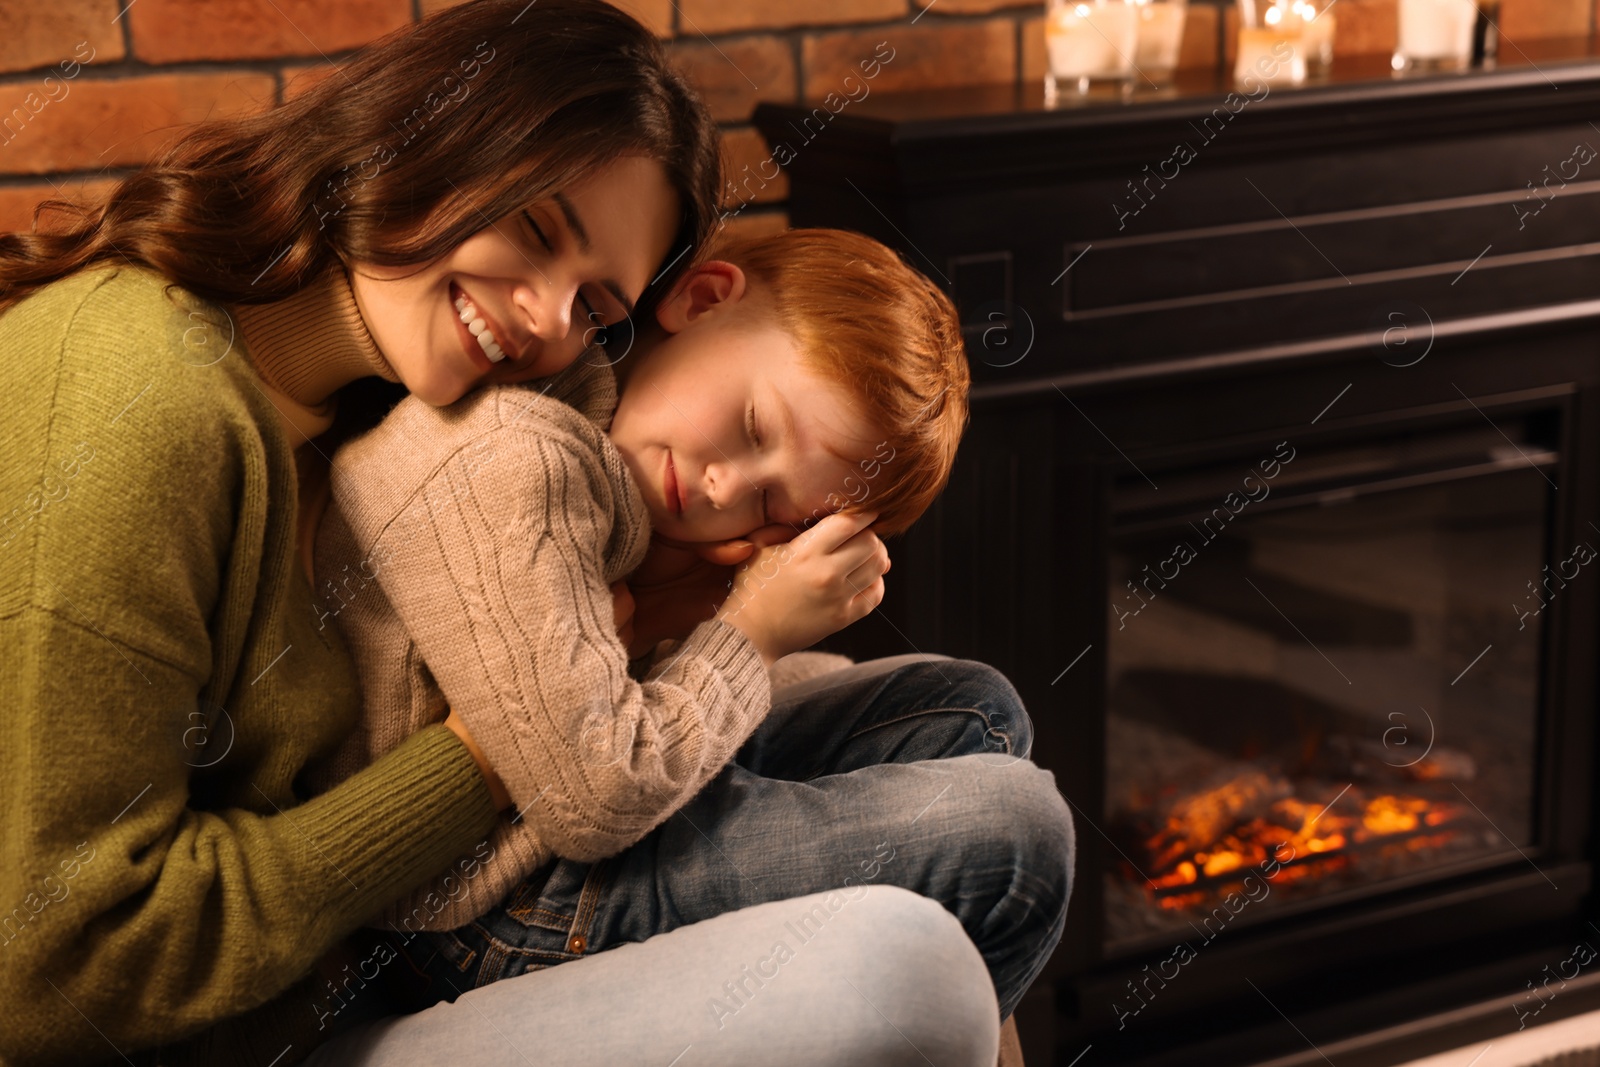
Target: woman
x: 169, y: 672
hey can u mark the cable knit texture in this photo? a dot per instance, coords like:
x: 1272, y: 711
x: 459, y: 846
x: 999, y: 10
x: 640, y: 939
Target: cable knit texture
x: 467, y: 556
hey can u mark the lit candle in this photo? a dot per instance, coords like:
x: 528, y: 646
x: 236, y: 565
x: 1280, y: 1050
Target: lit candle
x: 1316, y: 34
x: 1437, y: 30
x: 1262, y: 50
x: 1094, y: 40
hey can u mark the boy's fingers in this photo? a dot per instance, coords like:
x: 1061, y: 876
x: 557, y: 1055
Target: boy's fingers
x: 834, y: 530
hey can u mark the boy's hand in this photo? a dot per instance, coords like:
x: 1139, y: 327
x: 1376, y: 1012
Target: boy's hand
x: 681, y: 584
x: 789, y: 596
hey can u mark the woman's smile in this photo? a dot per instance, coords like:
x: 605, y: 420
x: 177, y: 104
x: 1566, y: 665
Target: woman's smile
x: 487, y: 336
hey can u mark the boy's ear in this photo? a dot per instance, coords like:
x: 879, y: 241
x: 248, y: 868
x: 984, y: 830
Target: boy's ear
x: 705, y: 289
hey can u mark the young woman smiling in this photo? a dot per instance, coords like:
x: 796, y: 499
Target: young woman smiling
x: 171, y: 357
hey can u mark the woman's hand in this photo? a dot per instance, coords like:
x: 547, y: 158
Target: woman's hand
x: 497, y: 788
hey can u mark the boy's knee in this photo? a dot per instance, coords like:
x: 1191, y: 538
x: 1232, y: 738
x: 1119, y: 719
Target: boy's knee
x: 1039, y: 822
x: 986, y: 688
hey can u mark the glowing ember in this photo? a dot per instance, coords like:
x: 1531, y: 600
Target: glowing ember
x: 1246, y: 821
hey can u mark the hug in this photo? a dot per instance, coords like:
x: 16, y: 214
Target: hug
x: 418, y: 645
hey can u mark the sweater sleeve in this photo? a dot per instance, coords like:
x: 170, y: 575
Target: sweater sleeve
x: 152, y: 919
x: 496, y: 570
x: 149, y: 889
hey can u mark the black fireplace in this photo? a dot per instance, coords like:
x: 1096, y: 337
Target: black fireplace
x: 1278, y: 507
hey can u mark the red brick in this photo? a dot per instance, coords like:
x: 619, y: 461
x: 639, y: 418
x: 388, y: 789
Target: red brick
x: 753, y: 224
x: 122, y: 122
x: 742, y: 149
x: 1521, y: 19
x: 918, y: 57
x: 1198, y: 50
x: 734, y: 75
x: 17, y: 202
x: 1366, y: 27
x: 728, y: 16
x: 656, y: 15
x: 172, y: 31
x: 973, y: 7
x: 45, y: 35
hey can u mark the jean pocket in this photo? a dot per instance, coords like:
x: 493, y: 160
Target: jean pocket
x: 548, y: 899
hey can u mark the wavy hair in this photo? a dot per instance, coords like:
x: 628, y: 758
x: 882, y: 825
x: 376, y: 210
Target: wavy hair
x: 383, y: 161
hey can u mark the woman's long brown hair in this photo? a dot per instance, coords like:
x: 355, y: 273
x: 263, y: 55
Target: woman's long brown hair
x: 420, y: 140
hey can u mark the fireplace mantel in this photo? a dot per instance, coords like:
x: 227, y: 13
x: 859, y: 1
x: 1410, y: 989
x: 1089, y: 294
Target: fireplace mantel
x: 1299, y: 221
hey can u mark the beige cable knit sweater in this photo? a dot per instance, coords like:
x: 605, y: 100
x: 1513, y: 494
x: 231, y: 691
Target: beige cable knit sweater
x: 470, y: 550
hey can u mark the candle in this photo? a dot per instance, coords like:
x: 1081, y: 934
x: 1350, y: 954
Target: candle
x: 1316, y: 35
x: 1094, y: 40
x: 1160, y: 35
x: 1262, y: 50
x: 1436, y: 32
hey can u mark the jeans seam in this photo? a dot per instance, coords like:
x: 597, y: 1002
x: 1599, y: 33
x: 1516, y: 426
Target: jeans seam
x: 987, y: 721
x: 528, y: 917
x: 589, y: 902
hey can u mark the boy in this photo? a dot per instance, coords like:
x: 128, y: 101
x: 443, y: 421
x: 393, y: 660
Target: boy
x: 789, y: 378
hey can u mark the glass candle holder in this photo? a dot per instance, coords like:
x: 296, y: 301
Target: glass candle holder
x: 1317, y: 26
x: 1435, y: 35
x: 1089, y: 41
x: 1159, y: 40
x: 1272, y: 43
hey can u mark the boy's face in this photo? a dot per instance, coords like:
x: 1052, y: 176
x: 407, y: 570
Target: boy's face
x: 684, y: 411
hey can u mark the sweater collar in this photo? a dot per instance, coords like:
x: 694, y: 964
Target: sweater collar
x: 307, y: 345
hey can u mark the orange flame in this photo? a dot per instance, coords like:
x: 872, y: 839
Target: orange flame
x: 1211, y: 833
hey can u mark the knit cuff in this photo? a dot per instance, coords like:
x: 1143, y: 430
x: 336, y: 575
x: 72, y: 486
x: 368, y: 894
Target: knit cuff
x: 399, y: 821
x: 720, y: 642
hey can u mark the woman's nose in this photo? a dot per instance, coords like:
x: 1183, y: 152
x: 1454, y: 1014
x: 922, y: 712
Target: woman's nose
x: 549, y: 310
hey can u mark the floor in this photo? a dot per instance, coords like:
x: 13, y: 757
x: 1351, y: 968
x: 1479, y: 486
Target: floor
x: 1576, y: 1041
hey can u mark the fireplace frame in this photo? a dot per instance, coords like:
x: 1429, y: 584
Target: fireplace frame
x: 1009, y: 566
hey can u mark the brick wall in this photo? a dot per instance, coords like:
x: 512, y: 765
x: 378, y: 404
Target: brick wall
x: 91, y: 88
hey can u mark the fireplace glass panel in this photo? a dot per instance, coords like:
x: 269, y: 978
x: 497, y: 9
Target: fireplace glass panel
x: 1326, y: 684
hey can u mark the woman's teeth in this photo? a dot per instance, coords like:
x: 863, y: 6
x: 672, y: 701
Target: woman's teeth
x: 479, y: 329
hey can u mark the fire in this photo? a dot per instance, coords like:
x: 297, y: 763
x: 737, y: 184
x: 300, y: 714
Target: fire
x: 1248, y: 820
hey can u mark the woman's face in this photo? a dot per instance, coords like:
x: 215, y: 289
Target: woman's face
x: 535, y: 284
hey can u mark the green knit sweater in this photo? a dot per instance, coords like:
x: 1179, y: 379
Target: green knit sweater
x: 163, y: 879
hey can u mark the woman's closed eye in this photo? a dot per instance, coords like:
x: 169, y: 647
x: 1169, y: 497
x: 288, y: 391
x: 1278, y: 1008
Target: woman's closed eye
x: 596, y: 333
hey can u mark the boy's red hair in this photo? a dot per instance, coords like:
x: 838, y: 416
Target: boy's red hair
x: 868, y: 323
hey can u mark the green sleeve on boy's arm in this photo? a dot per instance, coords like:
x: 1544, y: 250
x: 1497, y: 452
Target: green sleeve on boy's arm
x: 150, y: 920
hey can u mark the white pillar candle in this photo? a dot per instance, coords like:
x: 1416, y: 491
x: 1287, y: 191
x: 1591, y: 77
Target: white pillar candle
x: 1437, y: 29
x: 1092, y: 40
x: 1261, y: 51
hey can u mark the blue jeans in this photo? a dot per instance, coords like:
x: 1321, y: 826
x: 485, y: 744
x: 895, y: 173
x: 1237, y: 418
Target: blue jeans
x: 908, y: 771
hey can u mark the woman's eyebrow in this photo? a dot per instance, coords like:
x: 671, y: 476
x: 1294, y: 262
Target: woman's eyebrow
x: 573, y: 221
x: 575, y: 224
